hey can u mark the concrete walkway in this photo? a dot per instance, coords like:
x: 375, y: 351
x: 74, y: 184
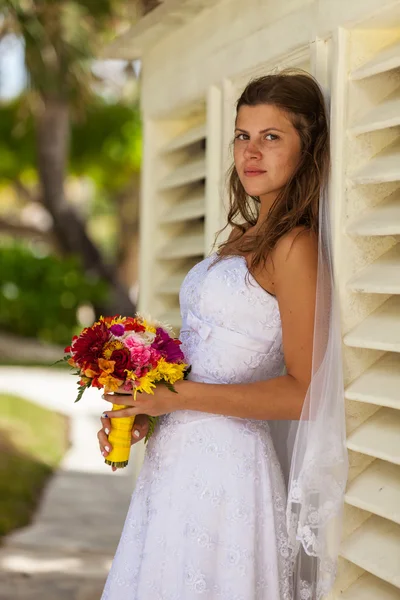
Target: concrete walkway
x: 67, y: 551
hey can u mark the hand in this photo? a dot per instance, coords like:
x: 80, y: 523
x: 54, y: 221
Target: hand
x: 139, y: 431
x: 163, y: 401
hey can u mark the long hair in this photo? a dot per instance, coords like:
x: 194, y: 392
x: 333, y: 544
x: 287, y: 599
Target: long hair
x: 299, y: 95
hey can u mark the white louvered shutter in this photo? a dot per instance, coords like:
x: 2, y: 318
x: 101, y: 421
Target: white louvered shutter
x: 180, y: 216
x: 370, y: 298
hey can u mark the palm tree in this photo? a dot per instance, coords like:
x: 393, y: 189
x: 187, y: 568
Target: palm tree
x: 60, y: 39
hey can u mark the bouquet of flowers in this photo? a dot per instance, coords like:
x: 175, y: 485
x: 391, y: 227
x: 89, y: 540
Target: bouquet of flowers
x: 125, y: 355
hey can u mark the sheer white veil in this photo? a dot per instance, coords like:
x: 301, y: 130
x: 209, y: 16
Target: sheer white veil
x: 312, y: 451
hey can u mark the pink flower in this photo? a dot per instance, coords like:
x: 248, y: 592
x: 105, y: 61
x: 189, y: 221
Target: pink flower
x: 127, y: 386
x: 140, y: 355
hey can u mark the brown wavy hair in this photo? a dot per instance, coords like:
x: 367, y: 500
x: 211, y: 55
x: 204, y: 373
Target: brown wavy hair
x: 297, y: 204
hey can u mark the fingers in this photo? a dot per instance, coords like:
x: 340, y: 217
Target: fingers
x: 102, y: 436
x: 123, y: 412
x: 140, y: 428
x: 105, y: 421
x: 104, y: 444
x: 124, y: 399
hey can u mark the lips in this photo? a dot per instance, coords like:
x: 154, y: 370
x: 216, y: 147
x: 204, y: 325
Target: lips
x: 253, y: 172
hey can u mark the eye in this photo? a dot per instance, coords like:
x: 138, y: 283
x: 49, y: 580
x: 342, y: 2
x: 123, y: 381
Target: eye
x: 272, y: 137
x: 241, y: 136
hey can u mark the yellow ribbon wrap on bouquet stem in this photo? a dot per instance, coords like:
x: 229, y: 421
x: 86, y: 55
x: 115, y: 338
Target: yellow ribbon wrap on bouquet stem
x: 120, y: 438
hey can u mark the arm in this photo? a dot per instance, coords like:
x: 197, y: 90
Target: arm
x: 295, y: 277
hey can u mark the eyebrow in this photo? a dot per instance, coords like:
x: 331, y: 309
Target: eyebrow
x: 262, y: 131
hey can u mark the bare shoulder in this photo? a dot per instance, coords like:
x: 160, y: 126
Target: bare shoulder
x: 295, y: 260
x: 297, y: 247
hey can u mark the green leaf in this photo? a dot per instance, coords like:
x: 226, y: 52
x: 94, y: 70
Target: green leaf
x: 169, y: 386
x: 187, y: 371
x: 152, y: 424
x: 81, y: 389
x: 57, y: 362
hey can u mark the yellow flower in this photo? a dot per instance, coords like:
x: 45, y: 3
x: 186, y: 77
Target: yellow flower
x: 110, y: 383
x: 149, y: 326
x: 164, y: 370
x: 171, y: 372
x: 108, y: 322
x: 117, y: 320
x: 146, y: 385
x: 130, y: 375
x: 110, y: 347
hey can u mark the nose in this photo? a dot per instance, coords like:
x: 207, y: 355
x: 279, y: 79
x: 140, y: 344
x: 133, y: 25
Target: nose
x: 252, y: 151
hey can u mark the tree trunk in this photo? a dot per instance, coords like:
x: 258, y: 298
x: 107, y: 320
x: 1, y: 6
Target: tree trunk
x: 127, y: 203
x: 53, y: 130
x: 149, y: 5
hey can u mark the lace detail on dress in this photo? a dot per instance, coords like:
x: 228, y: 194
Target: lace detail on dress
x: 227, y: 298
x: 207, y: 517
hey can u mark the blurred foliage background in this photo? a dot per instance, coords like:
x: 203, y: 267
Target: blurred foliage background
x: 70, y: 153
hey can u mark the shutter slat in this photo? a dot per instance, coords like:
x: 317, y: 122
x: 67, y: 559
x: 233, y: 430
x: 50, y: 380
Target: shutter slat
x: 382, y: 168
x: 187, y: 173
x: 380, y: 330
x: 368, y: 587
x: 380, y: 277
x: 380, y: 384
x: 191, y: 243
x: 386, y: 114
x: 181, y: 209
x: 378, y: 436
x: 374, y: 142
x: 192, y: 208
x: 386, y: 60
x: 186, y: 139
x: 172, y: 284
x: 375, y: 547
x: 377, y: 490
x: 383, y: 219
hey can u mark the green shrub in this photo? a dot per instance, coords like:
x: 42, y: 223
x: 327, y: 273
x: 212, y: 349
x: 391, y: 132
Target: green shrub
x: 40, y: 295
x: 33, y: 440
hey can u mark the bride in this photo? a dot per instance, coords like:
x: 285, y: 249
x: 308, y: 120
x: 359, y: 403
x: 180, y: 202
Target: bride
x: 241, y: 490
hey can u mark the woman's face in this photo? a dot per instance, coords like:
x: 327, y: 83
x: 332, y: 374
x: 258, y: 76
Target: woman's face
x: 266, y: 150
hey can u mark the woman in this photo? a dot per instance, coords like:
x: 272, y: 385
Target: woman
x: 210, y: 515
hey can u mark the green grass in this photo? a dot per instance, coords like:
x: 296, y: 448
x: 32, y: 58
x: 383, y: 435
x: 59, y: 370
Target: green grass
x: 14, y: 362
x: 32, y: 442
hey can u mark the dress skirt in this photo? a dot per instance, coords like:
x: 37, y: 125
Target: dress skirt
x: 207, y: 516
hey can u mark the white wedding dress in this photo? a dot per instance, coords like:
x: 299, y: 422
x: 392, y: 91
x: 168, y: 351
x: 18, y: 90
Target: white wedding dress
x: 207, y: 516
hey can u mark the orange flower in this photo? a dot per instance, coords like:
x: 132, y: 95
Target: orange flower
x: 110, y: 383
x: 90, y: 373
x: 106, y: 365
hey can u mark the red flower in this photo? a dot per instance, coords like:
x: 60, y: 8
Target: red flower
x: 96, y: 383
x: 109, y: 320
x: 122, y: 361
x: 88, y: 347
x: 132, y: 324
